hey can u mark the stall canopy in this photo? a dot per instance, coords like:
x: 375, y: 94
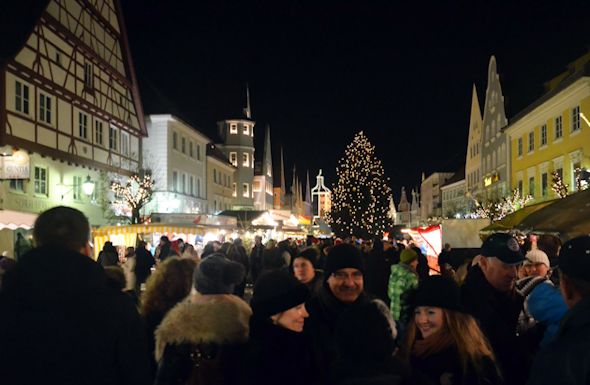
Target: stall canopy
x: 568, y: 217
x: 16, y: 220
x: 510, y: 221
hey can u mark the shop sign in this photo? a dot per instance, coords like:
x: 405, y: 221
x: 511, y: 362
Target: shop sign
x: 15, y: 166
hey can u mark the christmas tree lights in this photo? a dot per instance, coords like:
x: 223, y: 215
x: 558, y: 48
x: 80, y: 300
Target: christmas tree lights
x: 557, y: 185
x: 361, y: 196
x: 498, y: 210
x: 134, y: 194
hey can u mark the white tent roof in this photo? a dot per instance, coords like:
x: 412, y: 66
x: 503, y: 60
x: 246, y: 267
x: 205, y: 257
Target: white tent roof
x: 16, y: 220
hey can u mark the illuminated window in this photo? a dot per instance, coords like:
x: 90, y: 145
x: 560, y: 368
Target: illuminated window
x: 531, y: 141
x: 246, y: 190
x: 233, y: 158
x: 246, y: 129
x: 233, y: 128
x: 256, y: 186
x: 575, y: 118
x: 245, y: 159
x: 77, y: 189
x: 44, y: 108
x: 124, y: 143
x: 21, y: 97
x: 543, y: 134
x: 235, y: 192
x: 17, y: 185
x: 40, y: 180
x: 558, y: 127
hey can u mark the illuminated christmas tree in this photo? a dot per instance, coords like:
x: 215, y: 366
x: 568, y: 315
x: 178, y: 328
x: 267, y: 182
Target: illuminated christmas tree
x: 558, y: 186
x: 134, y: 194
x: 361, y: 196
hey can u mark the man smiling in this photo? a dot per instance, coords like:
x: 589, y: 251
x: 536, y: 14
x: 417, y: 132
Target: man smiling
x: 343, y: 288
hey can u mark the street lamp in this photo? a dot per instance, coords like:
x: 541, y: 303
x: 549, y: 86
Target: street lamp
x: 88, y: 186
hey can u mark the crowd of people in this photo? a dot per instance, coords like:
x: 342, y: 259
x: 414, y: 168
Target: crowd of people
x: 326, y: 312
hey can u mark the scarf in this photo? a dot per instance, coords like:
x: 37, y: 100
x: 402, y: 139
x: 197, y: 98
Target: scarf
x: 436, y: 343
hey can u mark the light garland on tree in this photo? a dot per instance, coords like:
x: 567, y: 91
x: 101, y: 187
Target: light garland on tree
x: 134, y: 194
x: 360, y: 198
x: 498, y: 210
x: 557, y: 185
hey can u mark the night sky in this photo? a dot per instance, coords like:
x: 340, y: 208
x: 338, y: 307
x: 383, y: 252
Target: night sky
x: 321, y: 71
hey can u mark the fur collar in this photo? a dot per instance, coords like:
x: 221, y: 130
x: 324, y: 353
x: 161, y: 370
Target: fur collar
x: 221, y: 319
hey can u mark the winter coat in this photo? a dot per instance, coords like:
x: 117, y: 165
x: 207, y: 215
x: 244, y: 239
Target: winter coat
x: 316, y: 283
x: 201, y: 341
x: 61, y: 323
x: 144, y: 261
x: 256, y: 262
x: 108, y: 257
x: 276, y: 355
x: 546, y: 306
x: 324, y: 310
x: 497, y: 314
x: 566, y: 360
x: 401, y: 279
x: 390, y: 371
x: 378, y: 267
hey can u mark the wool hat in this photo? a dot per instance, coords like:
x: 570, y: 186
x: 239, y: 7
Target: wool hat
x: 343, y: 256
x: 217, y: 275
x: 504, y: 247
x: 277, y: 291
x: 574, y: 258
x: 310, y: 253
x: 437, y: 291
x: 408, y: 255
x: 537, y: 256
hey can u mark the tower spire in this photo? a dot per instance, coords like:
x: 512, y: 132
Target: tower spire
x: 247, y: 110
x: 267, y: 161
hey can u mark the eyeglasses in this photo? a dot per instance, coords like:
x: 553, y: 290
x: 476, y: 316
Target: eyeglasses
x: 341, y: 276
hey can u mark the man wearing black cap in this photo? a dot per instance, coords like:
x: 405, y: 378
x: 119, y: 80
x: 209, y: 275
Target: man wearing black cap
x: 489, y: 295
x: 343, y: 288
x: 567, y: 359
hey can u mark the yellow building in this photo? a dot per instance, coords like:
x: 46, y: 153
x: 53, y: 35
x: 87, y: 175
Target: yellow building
x: 552, y: 134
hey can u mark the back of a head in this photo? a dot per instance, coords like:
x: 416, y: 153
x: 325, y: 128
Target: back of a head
x: 62, y: 227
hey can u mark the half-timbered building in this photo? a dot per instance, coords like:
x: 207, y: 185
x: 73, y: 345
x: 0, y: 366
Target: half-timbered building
x: 69, y: 101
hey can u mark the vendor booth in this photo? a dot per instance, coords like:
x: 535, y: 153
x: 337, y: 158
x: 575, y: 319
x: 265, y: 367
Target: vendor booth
x: 11, y: 224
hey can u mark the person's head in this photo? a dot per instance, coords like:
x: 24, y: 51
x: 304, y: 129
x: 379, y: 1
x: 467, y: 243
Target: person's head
x: 180, y: 243
x: 344, y: 272
x: 574, y: 268
x: 216, y: 246
x: 502, y: 256
x: 238, y: 242
x: 63, y: 227
x: 447, y: 247
x: 438, y: 312
x: 115, y: 277
x: 303, y: 265
x: 280, y: 297
x: 258, y: 240
x: 537, y: 263
x: 366, y: 333
x: 409, y: 257
x: 550, y: 244
x: 168, y: 285
x: 164, y: 240
x: 130, y: 251
x: 218, y: 275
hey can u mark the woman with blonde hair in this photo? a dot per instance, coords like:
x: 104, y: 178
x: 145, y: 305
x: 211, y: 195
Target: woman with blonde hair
x: 168, y: 285
x: 443, y: 343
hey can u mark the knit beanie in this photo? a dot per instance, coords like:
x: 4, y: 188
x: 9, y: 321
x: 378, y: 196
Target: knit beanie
x: 437, y: 291
x: 536, y: 256
x: 217, y: 275
x: 342, y: 256
x: 275, y: 292
x: 310, y: 253
x: 407, y: 255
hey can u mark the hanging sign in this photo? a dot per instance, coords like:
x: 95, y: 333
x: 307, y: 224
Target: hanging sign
x: 15, y: 166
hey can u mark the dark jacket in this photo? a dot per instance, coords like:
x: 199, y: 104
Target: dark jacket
x: 108, y: 257
x: 387, y: 372
x: 445, y: 368
x: 566, y: 361
x: 378, y: 266
x: 201, y: 341
x: 276, y: 355
x: 324, y: 310
x: 60, y: 323
x: 497, y: 314
x: 256, y: 261
x: 144, y: 261
x: 315, y: 285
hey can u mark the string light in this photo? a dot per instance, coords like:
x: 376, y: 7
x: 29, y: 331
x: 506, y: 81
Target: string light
x: 134, y: 194
x: 498, y: 210
x: 557, y: 185
x: 361, y: 196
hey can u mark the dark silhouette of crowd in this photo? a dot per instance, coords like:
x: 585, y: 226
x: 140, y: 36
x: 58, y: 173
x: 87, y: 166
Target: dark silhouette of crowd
x: 319, y: 311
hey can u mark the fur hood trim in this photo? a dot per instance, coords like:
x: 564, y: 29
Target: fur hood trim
x: 221, y: 319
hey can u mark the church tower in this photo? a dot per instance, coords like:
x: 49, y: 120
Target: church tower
x: 279, y: 192
x: 263, y: 180
x: 474, y: 147
x: 237, y: 135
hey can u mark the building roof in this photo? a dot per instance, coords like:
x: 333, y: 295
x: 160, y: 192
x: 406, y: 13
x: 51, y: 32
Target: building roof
x: 575, y: 73
x: 17, y: 20
x: 458, y: 176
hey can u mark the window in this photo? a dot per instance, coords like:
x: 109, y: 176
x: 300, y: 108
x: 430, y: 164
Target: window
x: 191, y: 185
x: 82, y: 125
x: 233, y: 128
x: 98, y: 132
x: 214, y: 175
x: 245, y: 159
x: 17, y: 185
x: 112, y: 138
x: 531, y: 141
x: 532, y: 186
x: 183, y: 184
x: 233, y: 158
x: 246, y: 190
x: 40, y: 180
x: 21, y: 97
x: 77, y: 190
x: 198, y: 187
x: 246, y: 129
x: 175, y: 140
x: 183, y: 145
x: 45, y: 108
x: 558, y: 127
x: 544, y: 184
x: 190, y: 149
x: 543, y: 134
x: 519, y: 147
x: 235, y: 192
x: 256, y: 186
x: 174, y: 181
x: 88, y: 76
x: 124, y: 143
x: 575, y: 118
x: 520, y: 187
x: 198, y: 152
